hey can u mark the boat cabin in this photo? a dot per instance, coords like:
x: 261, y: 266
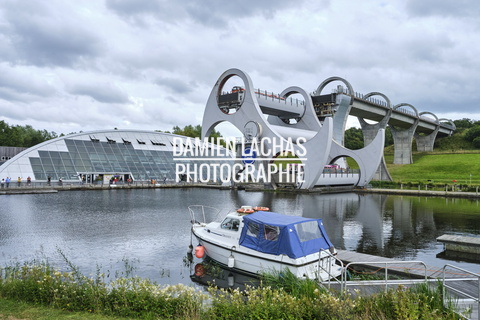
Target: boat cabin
x: 277, y: 234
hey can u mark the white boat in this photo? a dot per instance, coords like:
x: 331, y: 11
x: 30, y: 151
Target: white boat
x: 252, y: 241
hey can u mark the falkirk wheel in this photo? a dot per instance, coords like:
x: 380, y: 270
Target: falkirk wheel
x: 264, y: 120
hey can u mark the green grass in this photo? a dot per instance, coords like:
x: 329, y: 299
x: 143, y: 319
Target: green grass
x: 41, y: 292
x: 14, y: 309
x: 438, y: 168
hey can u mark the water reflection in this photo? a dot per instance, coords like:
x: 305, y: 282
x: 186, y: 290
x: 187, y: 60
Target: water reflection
x: 207, y: 273
x: 148, y: 230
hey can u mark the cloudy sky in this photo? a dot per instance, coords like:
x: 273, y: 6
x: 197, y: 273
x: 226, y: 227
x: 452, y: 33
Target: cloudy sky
x: 71, y: 66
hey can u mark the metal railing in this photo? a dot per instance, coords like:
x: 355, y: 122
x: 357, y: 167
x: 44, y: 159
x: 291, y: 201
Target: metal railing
x: 328, y: 270
x: 385, y: 265
x: 464, y: 306
x: 69, y: 183
x: 203, y: 214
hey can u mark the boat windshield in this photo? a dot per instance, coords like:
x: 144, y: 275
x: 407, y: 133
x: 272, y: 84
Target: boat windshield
x: 230, y: 223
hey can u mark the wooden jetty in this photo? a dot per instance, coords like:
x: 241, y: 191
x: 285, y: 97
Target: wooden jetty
x: 461, y: 286
x: 459, y: 243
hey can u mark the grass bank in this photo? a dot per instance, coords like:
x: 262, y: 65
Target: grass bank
x: 38, y: 291
x: 461, y: 168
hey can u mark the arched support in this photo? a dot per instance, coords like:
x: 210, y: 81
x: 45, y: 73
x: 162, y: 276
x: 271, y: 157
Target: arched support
x: 367, y: 158
x: 403, y: 139
x: 425, y: 142
x: 370, y: 131
x: 332, y: 79
x: 213, y: 115
x: 317, y: 144
x: 344, y: 105
x: 308, y: 120
x: 318, y: 149
x: 450, y: 122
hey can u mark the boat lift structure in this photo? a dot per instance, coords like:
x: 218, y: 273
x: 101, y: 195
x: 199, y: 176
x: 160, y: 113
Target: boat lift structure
x: 319, y: 122
x: 266, y: 118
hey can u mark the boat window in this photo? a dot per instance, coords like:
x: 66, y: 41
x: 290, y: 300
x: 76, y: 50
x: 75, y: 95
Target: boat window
x: 271, y: 232
x: 253, y: 229
x: 308, y: 230
x: 230, y: 224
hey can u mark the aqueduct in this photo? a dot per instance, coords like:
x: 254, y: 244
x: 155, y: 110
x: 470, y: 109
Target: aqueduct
x: 317, y: 124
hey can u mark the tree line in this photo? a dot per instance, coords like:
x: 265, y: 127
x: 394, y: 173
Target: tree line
x: 22, y: 136
x: 466, y: 136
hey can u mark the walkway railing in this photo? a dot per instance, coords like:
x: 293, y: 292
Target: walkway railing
x: 68, y: 184
x: 328, y: 270
x: 466, y: 288
x: 386, y: 266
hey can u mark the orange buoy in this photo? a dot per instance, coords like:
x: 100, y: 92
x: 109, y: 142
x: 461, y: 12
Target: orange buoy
x: 261, y: 208
x: 199, y: 251
x: 245, y: 210
x: 199, y: 270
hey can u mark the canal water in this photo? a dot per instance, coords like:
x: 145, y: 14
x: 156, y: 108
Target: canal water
x: 146, y: 232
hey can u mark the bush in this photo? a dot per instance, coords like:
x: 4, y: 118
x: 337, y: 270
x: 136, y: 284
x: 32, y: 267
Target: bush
x: 476, y: 142
x: 126, y: 297
x: 472, y: 133
x: 281, y: 296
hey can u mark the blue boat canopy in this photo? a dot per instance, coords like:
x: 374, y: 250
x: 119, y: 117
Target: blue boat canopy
x: 275, y: 233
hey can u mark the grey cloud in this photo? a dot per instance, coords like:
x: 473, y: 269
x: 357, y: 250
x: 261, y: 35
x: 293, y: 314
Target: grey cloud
x: 105, y: 93
x: 213, y: 13
x: 176, y: 85
x: 446, y: 8
x: 136, y: 10
x: 21, y: 85
x: 44, y: 37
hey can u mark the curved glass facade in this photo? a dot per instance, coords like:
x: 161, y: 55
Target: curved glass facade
x: 138, y: 155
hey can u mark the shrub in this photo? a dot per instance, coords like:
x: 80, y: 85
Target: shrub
x: 129, y: 297
x: 472, y: 133
x: 280, y: 296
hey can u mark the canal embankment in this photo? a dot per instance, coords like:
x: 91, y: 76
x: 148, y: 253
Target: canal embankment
x: 254, y: 187
x: 423, y: 193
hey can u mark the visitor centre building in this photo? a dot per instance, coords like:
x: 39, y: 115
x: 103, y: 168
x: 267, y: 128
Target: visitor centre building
x: 100, y: 156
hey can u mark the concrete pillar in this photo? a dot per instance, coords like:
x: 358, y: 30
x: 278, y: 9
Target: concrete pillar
x: 403, y: 138
x: 425, y: 143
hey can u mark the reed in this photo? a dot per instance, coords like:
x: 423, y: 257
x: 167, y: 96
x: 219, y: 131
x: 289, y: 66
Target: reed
x: 39, y: 283
x: 279, y: 296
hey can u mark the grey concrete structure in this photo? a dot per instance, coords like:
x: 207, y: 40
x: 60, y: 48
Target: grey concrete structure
x: 369, y: 132
x: 404, y: 123
x: 277, y: 116
x: 403, y: 139
x: 425, y: 142
x: 268, y: 120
